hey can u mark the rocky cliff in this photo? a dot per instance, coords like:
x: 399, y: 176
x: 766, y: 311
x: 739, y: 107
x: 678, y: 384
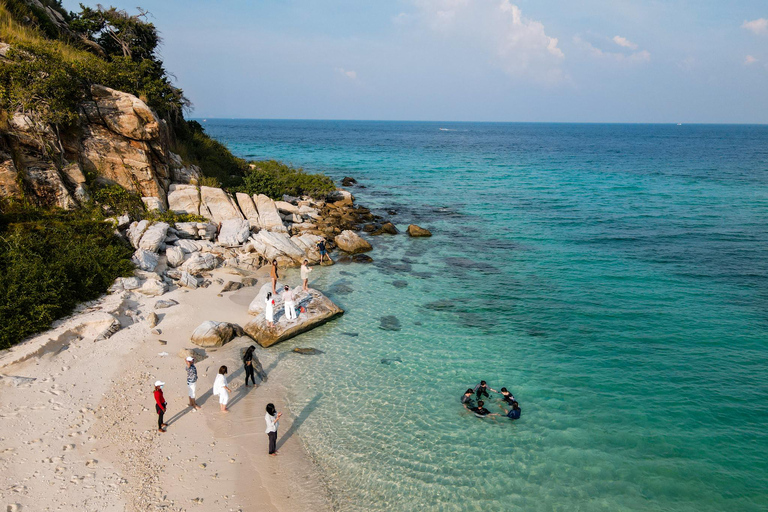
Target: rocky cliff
x: 118, y: 139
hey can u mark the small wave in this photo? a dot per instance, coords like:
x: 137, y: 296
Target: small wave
x: 446, y: 130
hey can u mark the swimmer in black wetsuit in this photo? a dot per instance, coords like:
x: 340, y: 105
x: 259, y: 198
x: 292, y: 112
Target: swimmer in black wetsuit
x: 482, y: 412
x: 466, y: 399
x: 515, y: 412
x: 506, y: 396
x: 482, y: 389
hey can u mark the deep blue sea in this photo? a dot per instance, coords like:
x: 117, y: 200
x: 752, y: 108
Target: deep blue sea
x: 613, y: 277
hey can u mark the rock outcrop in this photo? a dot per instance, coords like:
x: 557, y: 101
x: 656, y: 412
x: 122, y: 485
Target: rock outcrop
x: 318, y: 309
x: 351, y: 242
x: 417, y: 231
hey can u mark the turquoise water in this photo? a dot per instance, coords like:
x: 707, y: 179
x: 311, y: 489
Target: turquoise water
x: 614, y: 278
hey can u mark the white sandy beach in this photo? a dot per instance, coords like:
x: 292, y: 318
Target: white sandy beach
x: 83, y: 434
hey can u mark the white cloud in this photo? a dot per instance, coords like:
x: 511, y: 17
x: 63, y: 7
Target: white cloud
x: 749, y: 60
x: 624, y: 42
x: 517, y: 45
x: 352, y: 75
x: 637, y: 56
x: 758, y: 26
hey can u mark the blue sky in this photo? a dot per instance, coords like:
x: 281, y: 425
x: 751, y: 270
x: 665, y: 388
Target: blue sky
x: 469, y: 60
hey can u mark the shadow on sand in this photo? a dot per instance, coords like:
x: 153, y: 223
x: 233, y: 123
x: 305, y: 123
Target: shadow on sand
x: 311, y: 406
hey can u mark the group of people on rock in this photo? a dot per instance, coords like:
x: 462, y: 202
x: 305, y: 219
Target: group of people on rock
x: 472, y: 401
x: 288, y: 295
x: 222, y: 390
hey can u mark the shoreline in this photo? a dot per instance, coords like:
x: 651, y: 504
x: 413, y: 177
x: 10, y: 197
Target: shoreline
x: 94, y: 439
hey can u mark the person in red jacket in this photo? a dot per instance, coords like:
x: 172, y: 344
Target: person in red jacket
x: 160, y: 405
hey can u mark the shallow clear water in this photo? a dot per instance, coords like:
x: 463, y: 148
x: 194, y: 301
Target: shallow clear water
x: 614, y: 277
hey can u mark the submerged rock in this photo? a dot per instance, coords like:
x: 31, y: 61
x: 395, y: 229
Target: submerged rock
x: 308, y: 351
x: 362, y: 258
x: 399, y: 284
x: 350, y: 334
x: 318, y: 309
x: 391, y: 360
x: 389, y: 323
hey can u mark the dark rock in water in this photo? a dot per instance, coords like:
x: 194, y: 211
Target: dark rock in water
x: 362, y: 258
x: 423, y: 275
x: 250, y: 281
x: 389, y: 228
x: 389, y: 323
x: 370, y: 228
x: 340, y: 289
x: 391, y: 212
x: 441, y: 305
x: 350, y: 334
x: 348, y: 181
x: 345, y: 273
x: 468, y: 264
x: 537, y: 333
x: 399, y: 284
x: 417, y: 323
x: 231, y: 286
x: 391, y: 360
x: 308, y: 351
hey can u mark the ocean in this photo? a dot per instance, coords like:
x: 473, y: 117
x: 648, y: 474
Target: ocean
x: 613, y: 277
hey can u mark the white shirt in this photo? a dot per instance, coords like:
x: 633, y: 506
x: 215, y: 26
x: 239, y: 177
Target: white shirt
x: 272, y: 422
x: 219, y: 384
x: 305, y: 270
x: 288, y: 296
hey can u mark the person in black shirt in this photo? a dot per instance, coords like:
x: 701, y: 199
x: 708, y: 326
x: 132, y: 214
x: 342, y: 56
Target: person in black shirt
x: 482, y: 412
x: 248, y: 363
x: 506, y: 396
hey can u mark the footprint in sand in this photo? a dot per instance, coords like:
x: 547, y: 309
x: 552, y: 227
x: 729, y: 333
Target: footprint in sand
x: 90, y: 463
x: 68, y: 447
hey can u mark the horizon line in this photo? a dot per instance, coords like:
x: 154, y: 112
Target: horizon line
x: 672, y: 123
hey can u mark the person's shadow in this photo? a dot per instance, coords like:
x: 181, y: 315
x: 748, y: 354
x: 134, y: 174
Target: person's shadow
x: 311, y: 406
x: 200, y: 400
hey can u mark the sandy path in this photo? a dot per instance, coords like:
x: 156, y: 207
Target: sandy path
x: 82, y: 435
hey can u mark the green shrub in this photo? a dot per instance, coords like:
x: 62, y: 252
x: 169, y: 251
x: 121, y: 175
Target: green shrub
x: 115, y: 200
x: 213, y: 157
x: 274, y: 179
x: 49, y: 262
x: 172, y: 217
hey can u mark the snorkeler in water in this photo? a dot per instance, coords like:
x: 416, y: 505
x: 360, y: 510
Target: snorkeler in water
x: 506, y: 396
x: 514, y: 413
x: 466, y: 399
x: 482, y: 390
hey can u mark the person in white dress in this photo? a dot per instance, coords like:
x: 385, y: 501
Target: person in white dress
x: 305, y: 270
x: 220, y: 388
x: 272, y: 418
x: 269, y: 309
x: 290, y: 306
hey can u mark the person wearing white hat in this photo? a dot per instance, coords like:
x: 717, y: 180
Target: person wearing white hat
x: 220, y: 388
x: 160, y: 405
x: 192, y: 382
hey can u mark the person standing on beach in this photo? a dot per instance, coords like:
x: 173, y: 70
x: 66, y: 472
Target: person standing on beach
x: 248, y: 363
x: 269, y: 309
x: 323, y: 253
x: 290, y: 306
x: 272, y: 418
x: 160, y: 405
x: 273, y: 274
x: 305, y: 270
x: 192, y: 382
x: 220, y: 388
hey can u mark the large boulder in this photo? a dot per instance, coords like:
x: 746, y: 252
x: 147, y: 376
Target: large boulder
x: 188, y: 246
x: 318, y: 309
x: 269, y: 217
x: 258, y: 303
x: 417, y: 231
x: 340, y: 197
x: 234, y: 232
x: 217, y: 205
x: 184, y: 199
x: 154, y: 237
x: 145, y: 260
x: 276, y: 246
x: 153, y: 204
x: 351, y: 242
x: 248, y: 208
x: 174, y: 255
x: 136, y: 231
x: 285, y: 207
x: 153, y: 287
x: 187, y: 229
x: 200, y: 262
x: 214, y: 334
x: 9, y: 177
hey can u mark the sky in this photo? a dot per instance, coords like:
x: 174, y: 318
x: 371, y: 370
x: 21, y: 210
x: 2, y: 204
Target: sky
x: 657, y: 61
